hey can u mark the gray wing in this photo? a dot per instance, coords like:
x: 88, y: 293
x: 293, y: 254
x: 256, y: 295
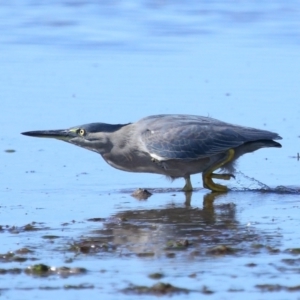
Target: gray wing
x: 193, y: 137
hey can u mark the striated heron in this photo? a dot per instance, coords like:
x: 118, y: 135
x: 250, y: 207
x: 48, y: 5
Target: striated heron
x: 172, y: 145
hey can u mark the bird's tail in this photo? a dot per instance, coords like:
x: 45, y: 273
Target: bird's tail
x: 267, y: 143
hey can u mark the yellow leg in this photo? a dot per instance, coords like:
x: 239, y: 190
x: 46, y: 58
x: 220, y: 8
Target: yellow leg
x: 188, y: 185
x: 208, y: 174
x: 222, y: 176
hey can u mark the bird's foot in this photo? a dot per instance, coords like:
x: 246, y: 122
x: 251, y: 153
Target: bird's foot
x: 188, y: 185
x: 209, y: 184
x: 208, y: 174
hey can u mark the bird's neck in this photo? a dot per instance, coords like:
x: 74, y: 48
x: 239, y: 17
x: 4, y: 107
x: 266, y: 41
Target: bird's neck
x: 119, y: 144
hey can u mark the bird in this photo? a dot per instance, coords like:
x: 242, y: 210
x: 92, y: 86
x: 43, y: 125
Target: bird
x: 175, y: 145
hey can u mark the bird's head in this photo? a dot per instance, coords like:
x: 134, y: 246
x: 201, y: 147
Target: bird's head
x: 93, y: 136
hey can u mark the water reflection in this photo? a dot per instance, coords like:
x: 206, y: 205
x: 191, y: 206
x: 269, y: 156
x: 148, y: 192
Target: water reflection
x: 210, y: 230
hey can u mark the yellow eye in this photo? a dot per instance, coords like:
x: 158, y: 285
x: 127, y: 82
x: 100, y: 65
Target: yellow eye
x: 81, y: 132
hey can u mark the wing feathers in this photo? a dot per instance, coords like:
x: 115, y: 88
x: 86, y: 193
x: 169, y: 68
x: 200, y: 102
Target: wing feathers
x: 170, y: 137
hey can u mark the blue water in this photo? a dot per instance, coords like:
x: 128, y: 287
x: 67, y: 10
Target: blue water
x: 65, y: 63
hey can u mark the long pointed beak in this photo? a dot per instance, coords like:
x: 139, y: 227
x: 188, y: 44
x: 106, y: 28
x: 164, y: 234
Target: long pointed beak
x: 61, y: 134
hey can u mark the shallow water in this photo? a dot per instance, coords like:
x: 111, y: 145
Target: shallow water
x: 65, y: 63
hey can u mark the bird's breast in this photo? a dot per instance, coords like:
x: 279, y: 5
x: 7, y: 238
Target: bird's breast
x: 133, y: 163
x: 116, y: 165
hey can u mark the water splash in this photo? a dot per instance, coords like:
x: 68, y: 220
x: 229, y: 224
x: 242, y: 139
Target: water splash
x: 246, y: 183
